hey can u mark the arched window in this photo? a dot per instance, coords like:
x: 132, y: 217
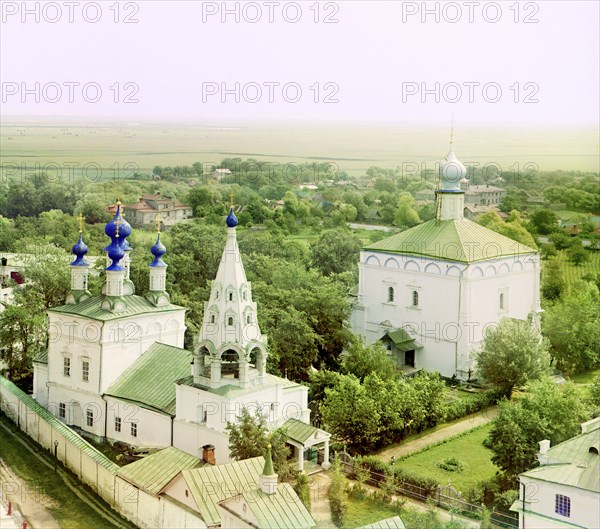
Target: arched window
x: 244, y: 295
x: 247, y: 319
x: 212, y: 318
x: 230, y: 321
x: 415, y: 298
x: 501, y: 301
x: 231, y: 296
x: 390, y: 294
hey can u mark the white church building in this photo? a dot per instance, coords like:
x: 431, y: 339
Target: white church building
x: 116, y: 367
x: 430, y: 292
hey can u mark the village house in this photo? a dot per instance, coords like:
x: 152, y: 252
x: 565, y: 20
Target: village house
x: 152, y: 207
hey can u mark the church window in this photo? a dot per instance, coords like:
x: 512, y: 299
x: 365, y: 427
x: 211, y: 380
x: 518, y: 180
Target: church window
x: 89, y: 415
x: 247, y: 319
x: 562, y: 505
x: 117, y: 424
x: 85, y: 371
x: 390, y: 296
x: 133, y: 429
x: 212, y: 318
x: 501, y: 302
x: 244, y: 296
x: 231, y: 296
x: 415, y: 298
x: 62, y: 410
x: 67, y: 366
x: 230, y: 321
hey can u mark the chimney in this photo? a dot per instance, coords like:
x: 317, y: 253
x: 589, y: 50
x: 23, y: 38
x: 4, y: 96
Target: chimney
x: 542, y: 454
x: 208, y: 454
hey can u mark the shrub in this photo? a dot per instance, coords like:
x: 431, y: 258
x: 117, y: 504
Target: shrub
x: 451, y: 465
x: 303, y: 490
x: 338, y: 494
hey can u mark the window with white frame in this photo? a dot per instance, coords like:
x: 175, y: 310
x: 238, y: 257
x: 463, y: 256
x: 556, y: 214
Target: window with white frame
x: 133, y: 429
x: 62, y: 410
x: 562, y: 505
x: 390, y: 294
x: 67, y: 366
x: 89, y: 416
x: 85, y: 370
x: 415, y: 298
x: 117, y: 424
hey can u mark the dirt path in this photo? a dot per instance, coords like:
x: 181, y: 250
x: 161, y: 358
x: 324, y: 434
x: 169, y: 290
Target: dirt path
x: 27, y: 499
x: 469, y: 422
x: 319, y: 501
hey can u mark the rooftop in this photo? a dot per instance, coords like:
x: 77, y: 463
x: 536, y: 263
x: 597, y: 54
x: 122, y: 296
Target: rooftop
x: 451, y: 240
x: 232, y: 390
x: 388, y: 523
x: 150, y: 380
x: 153, y: 472
x: 92, y: 308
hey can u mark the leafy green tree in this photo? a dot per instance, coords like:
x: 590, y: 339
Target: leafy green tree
x: 249, y: 437
x: 361, y: 361
x: 560, y: 240
x: 572, y: 326
x: 513, y: 228
x: 547, y: 412
x: 511, y: 355
x: 577, y: 254
x: 554, y: 283
x: 335, y: 252
x: 406, y: 214
x: 545, y: 221
x: 338, y: 493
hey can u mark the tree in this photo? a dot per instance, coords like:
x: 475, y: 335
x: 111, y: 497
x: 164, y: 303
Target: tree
x: 544, y: 221
x: 577, y: 254
x: 335, y: 252
x: 554, y: 283
x: 361, y: 361
x: 512, y: 354
x: 406, y: 214
x: 572, y: 327
x: 560, y: 240
x: 338, y: 493
x: 249, y: 437
x: 514, y: 228
x: 548, y: 412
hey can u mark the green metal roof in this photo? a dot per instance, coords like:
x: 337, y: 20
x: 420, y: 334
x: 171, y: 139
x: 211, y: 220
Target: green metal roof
x: 573, y: 463
x: 60, y: 427
x: 92, y: 308
x: 150, y: 380
x: 41, y: 357
x: 388, y: 523
x: 451, y: 240
x: 402, y: 340
x: 282, y: 510
x: 212, y: 484
x: 299, y: 431
x: 153, y: 472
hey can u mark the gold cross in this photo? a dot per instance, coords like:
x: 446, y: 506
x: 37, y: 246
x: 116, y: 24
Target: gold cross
x: 452, y: 130
x: 118, y: 223
x: 118, y: 201
x: 158, y: 222
x: 80, y: 222
x: 231, y: 198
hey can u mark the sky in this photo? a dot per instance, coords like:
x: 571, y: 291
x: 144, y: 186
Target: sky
x: 501, y: 63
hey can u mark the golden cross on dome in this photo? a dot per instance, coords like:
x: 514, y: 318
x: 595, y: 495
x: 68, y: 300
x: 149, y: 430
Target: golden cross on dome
x: 231, y: 198
x: 118, y: 201
x: 452, y: 131
x: 158, y: 222
x: 80, y: 222
x: 118, y: 223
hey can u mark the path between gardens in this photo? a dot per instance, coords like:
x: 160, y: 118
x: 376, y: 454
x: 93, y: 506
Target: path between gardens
x: 468, y: 423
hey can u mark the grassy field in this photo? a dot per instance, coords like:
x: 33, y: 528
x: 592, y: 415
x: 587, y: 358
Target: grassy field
x: 468, y: 449
x: 351, y: 147
x: 571, y: 272
x: 363, y: 511
x: 585, y: 378
x: 70, y: 511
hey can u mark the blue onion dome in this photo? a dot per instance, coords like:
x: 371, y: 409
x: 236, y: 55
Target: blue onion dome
x: 115, y: 253
x: 231, y: 220
x: 79, y: 250
x: 158, y: 250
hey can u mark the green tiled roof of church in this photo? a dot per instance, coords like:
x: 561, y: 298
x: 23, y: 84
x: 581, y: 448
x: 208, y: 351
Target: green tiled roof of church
x: 92, y: 308
x: 150, y: 380
x: 451, y: 240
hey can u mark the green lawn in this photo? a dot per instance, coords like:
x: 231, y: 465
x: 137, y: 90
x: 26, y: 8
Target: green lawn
x: 585, y: 378
x: 468, y: 449
x: 364, y: 511
x: 70, y: 511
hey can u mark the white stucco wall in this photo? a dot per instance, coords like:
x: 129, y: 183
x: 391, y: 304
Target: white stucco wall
x: 456, y: 302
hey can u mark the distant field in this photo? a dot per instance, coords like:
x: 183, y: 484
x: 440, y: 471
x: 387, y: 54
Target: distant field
x: 352, y: 148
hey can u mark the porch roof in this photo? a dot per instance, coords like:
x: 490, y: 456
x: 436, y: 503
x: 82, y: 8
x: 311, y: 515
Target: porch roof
x: 402, y: 340
x: 305, y: 434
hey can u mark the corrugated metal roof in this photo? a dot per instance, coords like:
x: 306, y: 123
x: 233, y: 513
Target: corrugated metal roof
x: 60, y: 427
x: 402, y: 340
x: 299, y: 431
x: 282, y: 510
x: 41, y: 357
x: 388, y: 523
x: 212, y: 484
x: 150, y: 380
x: 451, y: 240
x: 92, y: 308
x: 153, y: 472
